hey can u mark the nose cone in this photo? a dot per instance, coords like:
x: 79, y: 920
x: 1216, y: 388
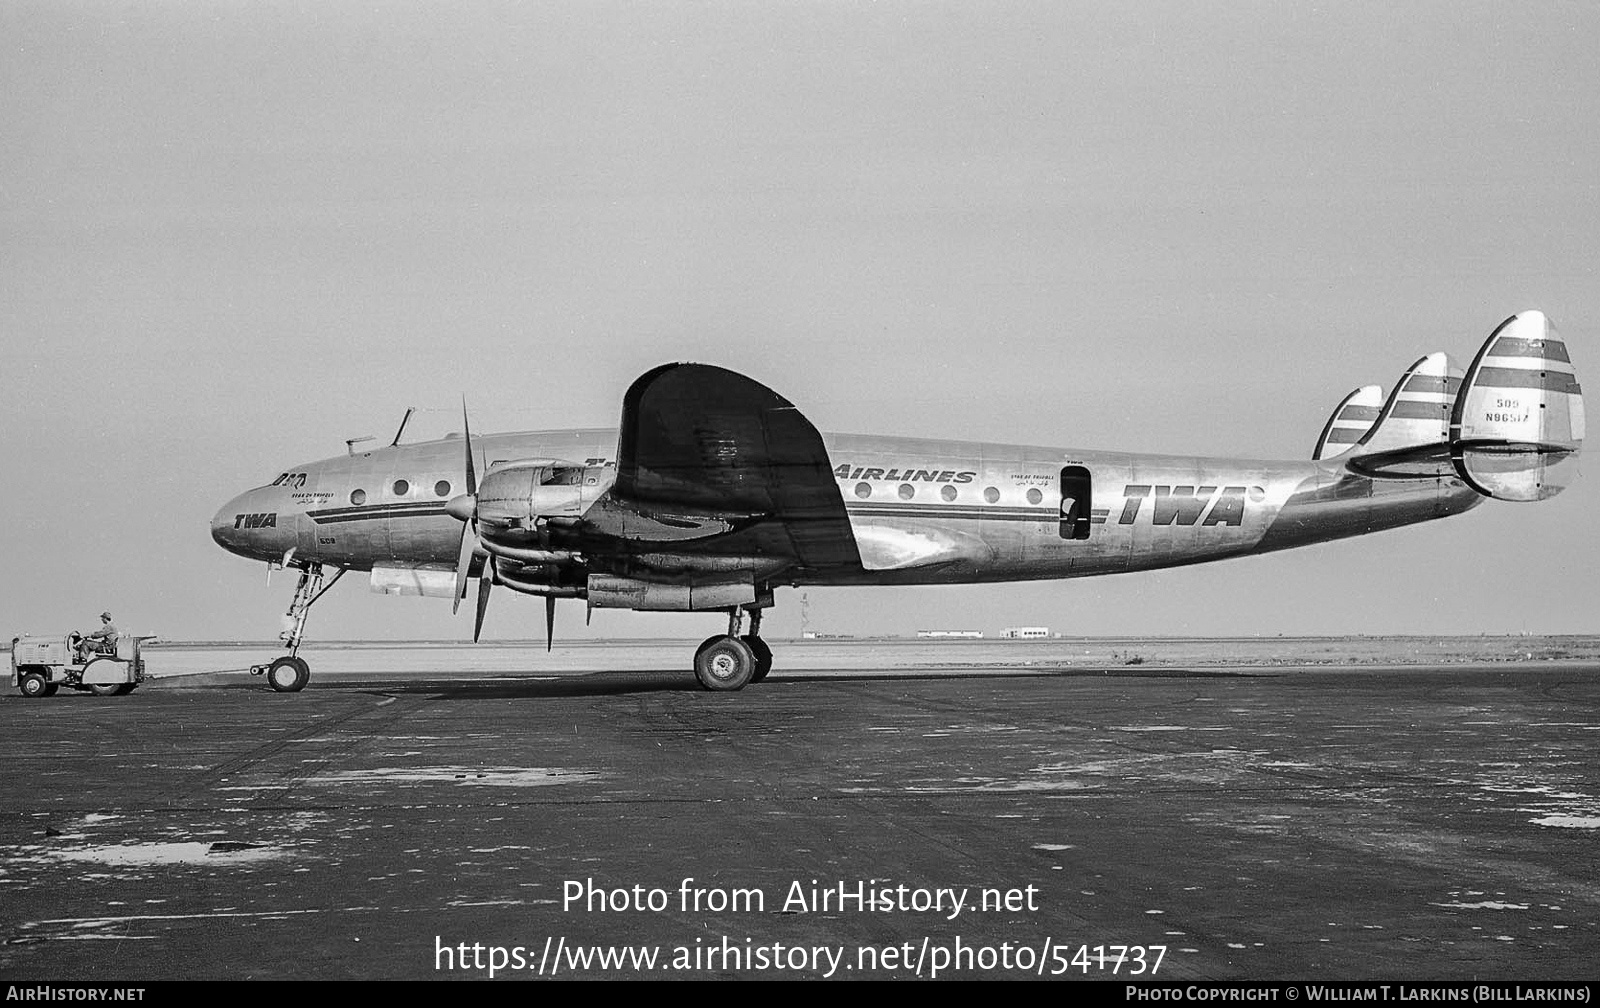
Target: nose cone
x: 251, y: 526
x: 226, y: 528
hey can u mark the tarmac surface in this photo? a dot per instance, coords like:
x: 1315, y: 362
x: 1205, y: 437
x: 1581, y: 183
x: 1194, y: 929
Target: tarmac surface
x: 1303, y: 816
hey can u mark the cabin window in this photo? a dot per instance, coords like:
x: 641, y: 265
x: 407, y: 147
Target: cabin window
x: 442, y: 488
x: 401, y: 488
x: 948, y: 492
x: 991, y: 495
x: 907, y: 491
x: 1034, y: 496
x: 358, y: 496
x: 863, y: 489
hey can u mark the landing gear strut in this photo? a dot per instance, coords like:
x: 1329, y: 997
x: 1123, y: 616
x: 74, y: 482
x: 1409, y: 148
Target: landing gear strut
x: 731, y: 661
x: 290, y: 673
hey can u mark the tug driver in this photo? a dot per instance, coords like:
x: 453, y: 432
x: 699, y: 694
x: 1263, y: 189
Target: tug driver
x: 103, y: 640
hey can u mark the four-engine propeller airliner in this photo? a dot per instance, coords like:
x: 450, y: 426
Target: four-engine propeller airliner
x: 716, y: 491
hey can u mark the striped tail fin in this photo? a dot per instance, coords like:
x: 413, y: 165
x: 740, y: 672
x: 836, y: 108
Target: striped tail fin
x: 1519, y: 416
x: 1417, y: 411
x: 1411, y: 437
x: 1351, y: 419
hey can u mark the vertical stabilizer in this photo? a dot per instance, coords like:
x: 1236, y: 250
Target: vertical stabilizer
x: 1417, y: 411
x: 1351, y: 419
x: 1519, y: 416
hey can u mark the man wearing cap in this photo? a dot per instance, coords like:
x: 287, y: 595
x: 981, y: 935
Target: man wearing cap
x: 103, y: 640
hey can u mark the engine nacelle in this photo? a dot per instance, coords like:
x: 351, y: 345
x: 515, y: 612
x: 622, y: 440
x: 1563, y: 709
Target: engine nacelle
x: 515, y: 496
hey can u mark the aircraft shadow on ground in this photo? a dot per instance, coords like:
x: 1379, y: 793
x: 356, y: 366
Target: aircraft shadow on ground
x: 535, y: 686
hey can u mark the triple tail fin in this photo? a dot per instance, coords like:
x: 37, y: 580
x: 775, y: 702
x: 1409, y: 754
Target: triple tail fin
x: 1411, y: 437
x: 1351, y: 419
x: 1504, y: 428
x: 1418, y: 410
x: 1519, y: 416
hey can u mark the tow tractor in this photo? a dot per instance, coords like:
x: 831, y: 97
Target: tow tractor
x: 42, y: 665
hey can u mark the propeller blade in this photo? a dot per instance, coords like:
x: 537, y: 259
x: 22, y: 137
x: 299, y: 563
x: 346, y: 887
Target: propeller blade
x: 549, y: 623
x: 484, y: 583
x: 469, y: 533
x: 463, y: 564
x: 466, y: 439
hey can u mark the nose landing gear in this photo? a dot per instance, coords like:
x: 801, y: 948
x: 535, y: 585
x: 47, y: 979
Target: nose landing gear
x: 290, y: 673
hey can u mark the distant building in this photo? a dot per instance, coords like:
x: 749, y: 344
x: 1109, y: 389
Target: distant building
x: 1025, y: 632
x: 951, y: 633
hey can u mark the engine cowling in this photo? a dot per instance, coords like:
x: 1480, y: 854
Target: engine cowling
x: 518, y: 496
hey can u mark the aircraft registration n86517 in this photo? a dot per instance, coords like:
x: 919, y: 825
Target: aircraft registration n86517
x: 716, y: 490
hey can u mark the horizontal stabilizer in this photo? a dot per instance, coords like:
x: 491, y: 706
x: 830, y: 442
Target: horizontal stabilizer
x: 1519, y: 415
x: 1429, y: 461
x: 1351, y: 419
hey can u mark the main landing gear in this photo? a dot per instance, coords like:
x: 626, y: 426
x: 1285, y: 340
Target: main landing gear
x: 731, y: 661
x: 290, y: 673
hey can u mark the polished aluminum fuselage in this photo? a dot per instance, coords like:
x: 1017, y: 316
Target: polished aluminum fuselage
x: 922, y: 511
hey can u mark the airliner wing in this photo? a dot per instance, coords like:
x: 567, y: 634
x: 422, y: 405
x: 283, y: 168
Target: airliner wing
x: 711, y: 462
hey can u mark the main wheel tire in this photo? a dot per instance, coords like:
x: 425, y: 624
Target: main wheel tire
x: 288, y: 674
x: 763, y: 653
x: 705, y: 644
x: 34, y: 685
x: 725, y: 664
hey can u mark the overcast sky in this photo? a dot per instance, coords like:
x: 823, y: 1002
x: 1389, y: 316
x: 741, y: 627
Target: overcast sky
x: 236, y: 235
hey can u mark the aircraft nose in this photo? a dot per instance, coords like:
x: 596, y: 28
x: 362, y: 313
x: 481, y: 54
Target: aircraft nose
x: 224, y: 526
x: 249, y: 526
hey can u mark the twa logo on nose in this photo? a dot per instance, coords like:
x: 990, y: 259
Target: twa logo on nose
x: 268, y: 519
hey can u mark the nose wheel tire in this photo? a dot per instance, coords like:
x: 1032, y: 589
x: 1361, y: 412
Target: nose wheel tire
x: 288, y: 674
x: 763, y: 654
x: 725, y: 664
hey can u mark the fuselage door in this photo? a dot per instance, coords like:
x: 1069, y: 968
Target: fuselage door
x: 1077, y: 494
